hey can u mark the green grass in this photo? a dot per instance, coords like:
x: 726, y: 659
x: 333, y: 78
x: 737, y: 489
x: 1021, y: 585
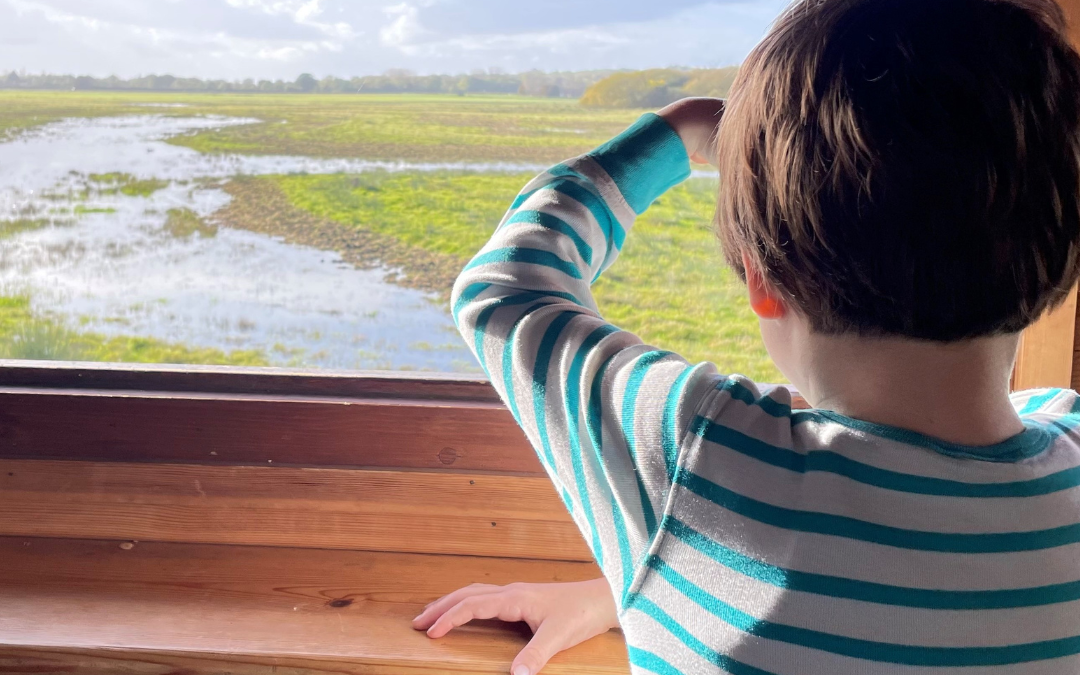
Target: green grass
x: 81, y: 210
x: 445, y: 212
x: 185, y: 223
x: 24, y: 335
x: 10, y: 228
x: 126, y: 184
x: 408, y: 127
x: 670, y: 285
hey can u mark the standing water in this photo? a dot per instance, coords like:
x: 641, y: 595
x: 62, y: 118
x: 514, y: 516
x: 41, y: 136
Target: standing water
x: 111, y: 264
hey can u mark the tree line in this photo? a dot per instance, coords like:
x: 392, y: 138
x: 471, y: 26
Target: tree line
x: 532, y: 83
x: 656, y: 88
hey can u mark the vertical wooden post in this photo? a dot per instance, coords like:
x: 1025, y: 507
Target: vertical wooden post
x: 1048, y: 348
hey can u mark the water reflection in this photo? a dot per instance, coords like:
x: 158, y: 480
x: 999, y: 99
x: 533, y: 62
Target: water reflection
x: 107, y: 230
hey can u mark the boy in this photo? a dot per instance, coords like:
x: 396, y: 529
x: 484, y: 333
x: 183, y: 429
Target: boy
x: 899, y: 191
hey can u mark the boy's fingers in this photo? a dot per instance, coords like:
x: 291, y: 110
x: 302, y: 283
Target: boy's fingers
x: 435, y: 609
x: 486, y: 606
x: 548, y: 641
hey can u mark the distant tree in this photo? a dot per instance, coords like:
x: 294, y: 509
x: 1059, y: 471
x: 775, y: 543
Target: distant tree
x: 656, y: 88
x: 306, y: 83
x: 713, y: 82
x: 639, y: 89
x: 162, y: 82
x: 84, y: 82
x: 12, y: 80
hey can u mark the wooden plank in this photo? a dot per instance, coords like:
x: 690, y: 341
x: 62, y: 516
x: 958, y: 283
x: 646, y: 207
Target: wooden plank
x: 83, y: 606
x: 450, y: 513
x: 241, y: 380
x: 1072, y: 15
x: 1046, y: 352
x: 250, y: 429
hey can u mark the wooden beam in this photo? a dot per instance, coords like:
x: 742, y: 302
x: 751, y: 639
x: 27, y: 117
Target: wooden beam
x: 443, y: 387
x: 93, y: 607
x: 188, y: 427
x: 1046, y: 352
x: 418, y: 512
x: 1048, y: 348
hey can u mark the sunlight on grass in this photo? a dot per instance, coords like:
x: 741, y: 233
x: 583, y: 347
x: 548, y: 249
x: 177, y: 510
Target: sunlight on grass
x: 670, y: 285
x: 126, y: 184
x: 23, y: 335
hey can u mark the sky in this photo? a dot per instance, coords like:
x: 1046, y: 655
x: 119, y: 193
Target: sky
x: 279, y: 39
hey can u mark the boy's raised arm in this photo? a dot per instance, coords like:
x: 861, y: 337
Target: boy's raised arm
x: 605, y: 412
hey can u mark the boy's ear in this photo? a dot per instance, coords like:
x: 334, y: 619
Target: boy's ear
x: 764, y: 299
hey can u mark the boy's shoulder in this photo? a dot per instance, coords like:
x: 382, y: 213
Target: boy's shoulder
x: 1049, y: 401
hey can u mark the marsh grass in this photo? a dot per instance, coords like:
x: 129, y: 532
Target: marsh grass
x: 409, y: 127
x: 670, y: 285
x: 126, y: 184
x: 185, y: 223
x: 10, y: 228
x: 24, y: 335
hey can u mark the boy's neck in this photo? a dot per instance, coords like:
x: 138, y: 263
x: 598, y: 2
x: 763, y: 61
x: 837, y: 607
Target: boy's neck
x: 957, y: 392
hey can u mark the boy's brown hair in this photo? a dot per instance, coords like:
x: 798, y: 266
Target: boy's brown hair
x: 908, y: 167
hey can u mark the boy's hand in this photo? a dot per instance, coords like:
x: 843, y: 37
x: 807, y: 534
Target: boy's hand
x: 560, y: 615
x: 696, y: 120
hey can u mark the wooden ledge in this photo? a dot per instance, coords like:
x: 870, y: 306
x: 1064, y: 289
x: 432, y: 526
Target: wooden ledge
x: 97, y: 607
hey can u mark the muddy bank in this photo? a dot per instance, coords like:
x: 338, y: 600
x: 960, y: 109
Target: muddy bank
x: 258, y: 205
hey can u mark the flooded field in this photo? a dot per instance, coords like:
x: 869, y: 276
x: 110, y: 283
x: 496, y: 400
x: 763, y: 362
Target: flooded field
x: 118, y: 238
x: 318, y: 232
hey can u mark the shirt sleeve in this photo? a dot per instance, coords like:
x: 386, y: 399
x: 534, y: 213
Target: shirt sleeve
x: 606, y: 413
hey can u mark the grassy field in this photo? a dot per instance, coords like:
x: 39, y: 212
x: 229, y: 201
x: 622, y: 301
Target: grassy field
x: 670, y: 285
x: 26, y: 335
x: 415, y: 128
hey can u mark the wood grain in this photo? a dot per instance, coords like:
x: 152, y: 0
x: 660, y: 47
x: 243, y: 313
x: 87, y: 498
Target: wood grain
x: 82, y: 606
x: 243, y: 380
x: 254, y: 429
x: 450, y: 513
x: 1046, y: 352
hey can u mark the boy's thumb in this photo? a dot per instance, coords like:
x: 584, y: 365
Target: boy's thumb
x: 545, y: 643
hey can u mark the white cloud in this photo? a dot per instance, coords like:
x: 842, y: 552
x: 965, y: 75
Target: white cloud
x: 303, y: 12
x: 282, y: 38
x: 404, y: 27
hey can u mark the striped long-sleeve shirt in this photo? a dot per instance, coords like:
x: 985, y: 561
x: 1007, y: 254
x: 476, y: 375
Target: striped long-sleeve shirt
x: 739, y: 536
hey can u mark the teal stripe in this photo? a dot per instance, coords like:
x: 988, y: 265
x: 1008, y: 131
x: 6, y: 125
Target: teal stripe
x: 671, y: 434
x: 629, y: 408
x: 651, y: 662
x: 645, y: 161
x: 482, y: 320
x: 508, y: 360
x: 531, y: 256
x: 593, y: 422
x: 740, y: 393
x: 563, y: 171
x: 861, y: 530
x: 555, y: 224
x: 625, y: 560
x: 468, y: 295
x: 827, y: 461
x: 605, y: 217
x: 613, y: 231
x: 574, y: 385
x: 721, y: 661
x: 1036, y: 402
x: 1033, y: 440
x: 540, y: 378
x: 867, y: 591
x: 880, y: 652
